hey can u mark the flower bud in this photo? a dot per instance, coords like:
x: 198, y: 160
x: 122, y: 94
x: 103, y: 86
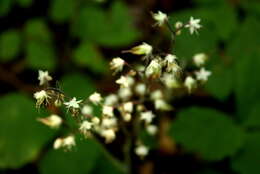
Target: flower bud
x: 154, y: 69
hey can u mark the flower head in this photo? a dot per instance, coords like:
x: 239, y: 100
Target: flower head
x: 160, y: 18
x: 73, y: 103
x: 95, y: 98
x: 193, y: 25
x: 44, y: 77
x: 202, y: 74
x: 200, y: 59
x: 53, y: 121
x: 41, y: 98
x: 143, y: 49
x: 117, y: 64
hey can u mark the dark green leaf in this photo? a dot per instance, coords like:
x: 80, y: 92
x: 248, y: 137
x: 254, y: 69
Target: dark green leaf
x: 5, y: 7
x: 253, y: 120
x: 10, y: 45
x: 211, y: 134
x: 22, y: 137
x: 24, y: 3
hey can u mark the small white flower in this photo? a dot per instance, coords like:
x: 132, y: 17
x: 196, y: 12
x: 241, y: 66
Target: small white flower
x: 125, y: 93
x: 53, y: 121
x: 125, y: 81
x: 170, y: 80
x: 160, y: 104
x: 143, y: 49
x: 95, y: 120
x: 87, y: 110
x: 58, y: 143
x: 41, y: 98
x: 69, y: 141
x: 109, y: 122
x: 128, y: 107
x: 111, y: 100
x: 127, y: 117
x: 141, y: 151
x: 85, y: 126
x: 95, y: 98
x: 147, y: 116
x: 108, y: 111
x: 200, y: 59
x: 154, y: 69
x: 109, y: 135
x: 117, y: 64
x: 160, y: 18
x: 73, y: 103
x: 178, y: 24
x: 157, y: 94
x: 44, y: 77
x: 193, y: 25
x: 190, y: 83
x: 140, y: 89
x: 172, y: 66
x: 152, y: 129
x: 202, y: 74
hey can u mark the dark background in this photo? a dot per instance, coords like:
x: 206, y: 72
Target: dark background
x: 213, y: 131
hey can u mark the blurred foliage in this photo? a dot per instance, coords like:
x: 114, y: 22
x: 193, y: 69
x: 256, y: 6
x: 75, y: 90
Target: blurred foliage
x: 82, y: 34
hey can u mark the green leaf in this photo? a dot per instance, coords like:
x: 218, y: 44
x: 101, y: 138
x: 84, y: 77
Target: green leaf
x: 253, y: 120
x: 88, y: 55
x: 62, y: 10
x: 40, y: 55
x: 77, y: 85
x: 22, y: 137
x: 5, y: 7
x: 211, y: 134
x: 251, y: 6
x: 10, y: 45
x: 80, y: 160
x: 247, y: 161
x: 24, y: 3
x: 36, y: 29
x: 111, y: 28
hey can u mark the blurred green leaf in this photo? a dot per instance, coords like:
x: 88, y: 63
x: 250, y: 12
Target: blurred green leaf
x: 10, y: 45
x: 77, y: 85
x: 247, y: 161
x: 22, y: 137
x: 5, y: 6
x: 40, y: 55
x: 253, y: 119
x: 80, y: 160
x: 210, y: 133
x: 24, y: 3
x: 112, y: 28
x: 88, y: 55
x: 251, y: 6
x: 36, y: 29
x: 62, y: 10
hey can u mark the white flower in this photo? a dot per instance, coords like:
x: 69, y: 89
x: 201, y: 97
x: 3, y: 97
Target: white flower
x: 128, y: 107
x: 127, y: 117
x: 125, y: 93
x: 67, y: 142
x: 152, y: 129
x: 87, y: 110
x: 111, y: 100
x: 44, y: 77
x: 143, y: 49
x: 41, y: 98
x: 109, y: 135
x: 160, y: 18
x: 160, y: 104
x: 202, y: 74
x: 85, y: 126
x: 190, y: 83
x: 178, y: 24
x: 172, y: 66
x: 170, y: 80
x: 95, y: 98
x: 108, y: 111
x: 58, y: 143
x: 147, y: 116
x: 154, y: 69
x: 157, y: 94
x: 200, y: 59
x: 53, y: 121
x: 109, y: 122
x: 141, y: 151
x: 73, y: 103
x: 125, y: 81
x: 140, y: 89
x: 117, y: 64
x: 193, y: 25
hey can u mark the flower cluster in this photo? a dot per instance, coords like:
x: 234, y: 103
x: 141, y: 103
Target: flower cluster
x: 144, y: 92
